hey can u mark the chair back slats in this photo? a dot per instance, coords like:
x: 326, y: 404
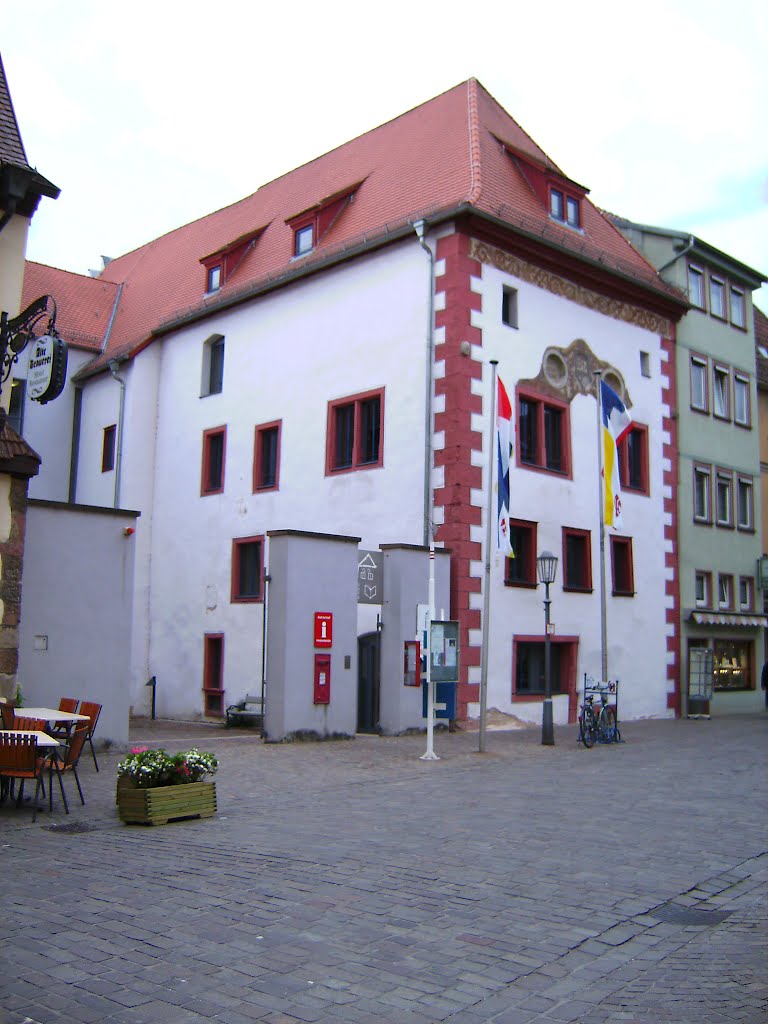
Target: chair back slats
x: 75, y: 748
x: 68, y: 704
x: 28, y: 724
x: 7, y: 714
x: 18, y: 753
x: 93, y: 711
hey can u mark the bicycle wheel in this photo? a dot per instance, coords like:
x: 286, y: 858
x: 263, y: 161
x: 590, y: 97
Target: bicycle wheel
x: 587, y: 727
x: 606, y: 726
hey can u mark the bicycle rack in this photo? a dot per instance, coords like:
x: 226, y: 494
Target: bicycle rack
x: 599, y: 689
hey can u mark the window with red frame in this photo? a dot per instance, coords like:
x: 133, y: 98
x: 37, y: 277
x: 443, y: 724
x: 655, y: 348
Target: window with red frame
x: 633, y: 459
x: 213, y: 674
x: 577, y: 559
x: 355, y: 432
x: 521, y: 570
x: 266, y: 457
x: 543, y: 433
x: 247, y: 569
x: 214, y: 453
x: 621, y: 567
x: 108, y: 449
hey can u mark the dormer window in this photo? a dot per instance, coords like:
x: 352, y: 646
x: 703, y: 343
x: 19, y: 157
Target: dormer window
x: 214, y: 278
x: 304, y: 240
x: 564, y: 208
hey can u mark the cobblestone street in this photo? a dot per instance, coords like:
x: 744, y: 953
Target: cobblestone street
x: 352, y: 882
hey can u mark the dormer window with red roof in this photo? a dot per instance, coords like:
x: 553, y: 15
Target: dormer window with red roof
x: 221, y: 264
x: 310, y: 225
x: 564, y: 208
x: 560, y: 195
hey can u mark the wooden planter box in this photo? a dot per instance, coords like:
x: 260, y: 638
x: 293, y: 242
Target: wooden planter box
x: 166, y: 803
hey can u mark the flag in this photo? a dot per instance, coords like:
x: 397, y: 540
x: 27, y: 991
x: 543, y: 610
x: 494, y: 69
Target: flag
x: 503, y: 455
x: 616, y: 424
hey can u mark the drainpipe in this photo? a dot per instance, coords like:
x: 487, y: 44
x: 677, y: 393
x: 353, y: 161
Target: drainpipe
x: 420, y: 227
x: 113, y: 364
x: 683, y: 252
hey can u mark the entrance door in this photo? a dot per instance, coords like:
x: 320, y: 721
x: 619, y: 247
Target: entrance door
x: 368, y: 682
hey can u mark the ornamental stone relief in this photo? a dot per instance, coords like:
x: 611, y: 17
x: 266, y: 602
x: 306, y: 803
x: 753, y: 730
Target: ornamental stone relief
x: 567, y: 372
x: 561, y: 286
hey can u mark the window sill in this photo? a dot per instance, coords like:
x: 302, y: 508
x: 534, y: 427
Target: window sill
x: 577, y: 590
x: 623, y: 593
x: 525, y: 584
x: 246, y: 600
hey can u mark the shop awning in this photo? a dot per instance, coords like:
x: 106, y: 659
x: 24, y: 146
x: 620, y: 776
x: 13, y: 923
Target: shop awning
x: 728, y: 619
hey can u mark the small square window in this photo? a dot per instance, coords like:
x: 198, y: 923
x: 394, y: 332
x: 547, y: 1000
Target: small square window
x: 266, y: 457
x: 577, y: 560
x: 703, y: 589
x: 355, y: 427
x: 509, y: 307
x: 738, y: 307
x: 696, y: 286
x: 521, y: 570
x: 108, y: 449
x: 247, y: 569
x: 214, y: 451
x: 717, y: 297
x: 305, y: 240
x: 645, y: 364
x: 622, y: 567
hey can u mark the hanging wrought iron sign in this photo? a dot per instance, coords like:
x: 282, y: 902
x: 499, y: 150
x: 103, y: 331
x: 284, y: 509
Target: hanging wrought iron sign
x: 47, y: 373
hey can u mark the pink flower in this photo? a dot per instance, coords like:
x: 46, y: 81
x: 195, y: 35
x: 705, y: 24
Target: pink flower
x: 139, y: 750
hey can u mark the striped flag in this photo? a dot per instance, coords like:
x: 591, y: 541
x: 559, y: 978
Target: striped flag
x: 503, y: 456
x: 616, y: 424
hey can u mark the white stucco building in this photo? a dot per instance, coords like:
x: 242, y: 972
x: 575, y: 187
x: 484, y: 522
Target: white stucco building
x: 317, y: 358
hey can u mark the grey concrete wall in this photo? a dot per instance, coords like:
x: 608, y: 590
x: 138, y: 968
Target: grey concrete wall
x: 76, y: 611
x: 406, y: 585
x: 310, y: 573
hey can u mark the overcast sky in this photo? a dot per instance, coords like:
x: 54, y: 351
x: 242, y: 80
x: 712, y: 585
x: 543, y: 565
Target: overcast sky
x: 150, y: 114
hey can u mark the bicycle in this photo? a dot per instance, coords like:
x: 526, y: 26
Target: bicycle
x: 599, y: 725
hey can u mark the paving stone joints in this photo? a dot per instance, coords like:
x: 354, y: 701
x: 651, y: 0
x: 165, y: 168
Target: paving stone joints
x: 349, y: 882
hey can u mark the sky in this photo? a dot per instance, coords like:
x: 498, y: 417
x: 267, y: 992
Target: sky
x: 148, y: 115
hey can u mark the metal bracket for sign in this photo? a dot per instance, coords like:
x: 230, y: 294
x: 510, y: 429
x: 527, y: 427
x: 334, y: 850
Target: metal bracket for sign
x: 17, y: 332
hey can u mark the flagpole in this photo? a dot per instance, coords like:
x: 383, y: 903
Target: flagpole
x: 601, y: 502
x: 487, y: 588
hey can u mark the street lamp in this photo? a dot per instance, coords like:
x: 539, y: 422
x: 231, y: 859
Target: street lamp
x: 546, y: 567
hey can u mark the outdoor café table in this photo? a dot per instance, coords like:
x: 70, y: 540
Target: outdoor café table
x: 50, y: 715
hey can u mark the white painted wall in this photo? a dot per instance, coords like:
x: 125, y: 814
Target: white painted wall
x: 286, y: 356
x: 636, y: 626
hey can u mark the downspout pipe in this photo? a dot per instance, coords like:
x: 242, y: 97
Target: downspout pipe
x: 420, y: 227
x: 683, y: 252
x: 113, y: 364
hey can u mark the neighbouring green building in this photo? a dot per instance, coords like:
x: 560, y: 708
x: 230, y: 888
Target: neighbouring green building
x: 716, y: 538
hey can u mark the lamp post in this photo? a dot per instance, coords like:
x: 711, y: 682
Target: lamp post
x: 546, y: 567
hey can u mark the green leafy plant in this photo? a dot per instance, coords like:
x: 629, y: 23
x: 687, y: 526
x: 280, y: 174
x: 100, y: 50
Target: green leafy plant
x: 148, y: 769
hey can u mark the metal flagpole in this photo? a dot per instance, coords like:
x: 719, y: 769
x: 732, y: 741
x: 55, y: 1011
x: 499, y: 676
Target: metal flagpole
x: 487, y: 588
x: 429, y: 754
x: 601, y: 469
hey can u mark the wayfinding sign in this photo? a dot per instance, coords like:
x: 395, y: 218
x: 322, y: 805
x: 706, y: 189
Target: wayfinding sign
x: 370, y: 576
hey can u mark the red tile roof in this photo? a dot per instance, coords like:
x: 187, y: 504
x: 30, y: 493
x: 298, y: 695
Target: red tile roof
x: 448, y: 155
x: 84, y: 305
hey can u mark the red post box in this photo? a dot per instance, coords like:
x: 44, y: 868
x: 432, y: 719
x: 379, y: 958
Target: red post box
x: 322, y: 679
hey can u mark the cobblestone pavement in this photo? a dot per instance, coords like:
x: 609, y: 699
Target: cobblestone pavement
x: 352, y: 882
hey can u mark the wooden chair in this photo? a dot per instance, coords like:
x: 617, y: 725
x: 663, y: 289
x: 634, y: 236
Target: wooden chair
x: 19, y: 760
x: 63, y: 730
x: 69, y: 761
x: 22, y: 724
x: 7, y: 714
x: 93, y: 711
